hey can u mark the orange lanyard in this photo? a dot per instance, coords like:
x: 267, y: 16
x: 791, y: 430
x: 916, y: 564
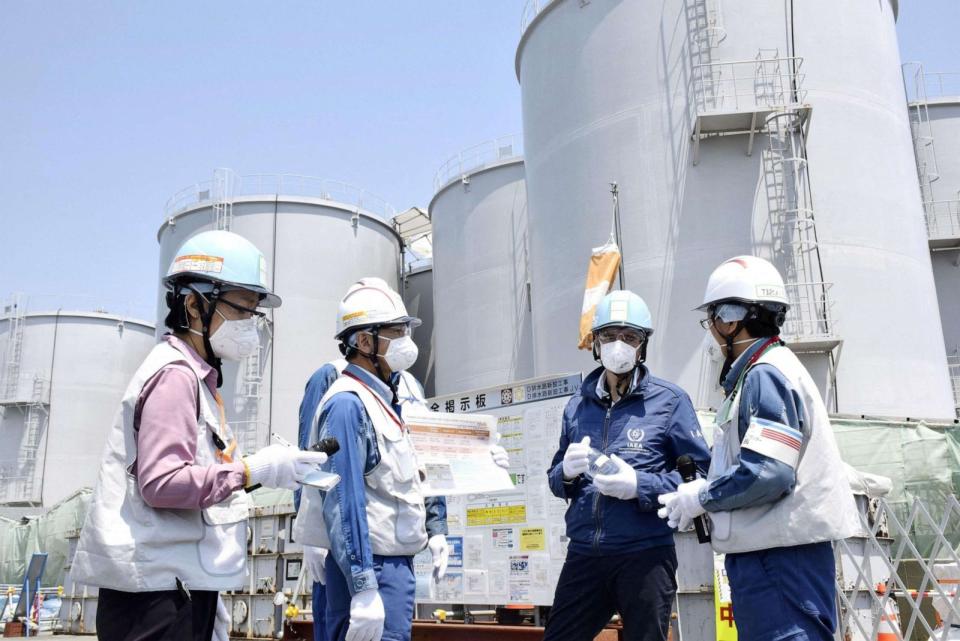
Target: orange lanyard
x: 224, y: 455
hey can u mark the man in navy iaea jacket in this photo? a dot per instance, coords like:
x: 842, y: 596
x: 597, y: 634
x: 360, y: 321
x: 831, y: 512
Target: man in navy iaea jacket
x: 621, y: 556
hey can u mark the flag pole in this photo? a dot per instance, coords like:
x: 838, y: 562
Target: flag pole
x: 618, y: 236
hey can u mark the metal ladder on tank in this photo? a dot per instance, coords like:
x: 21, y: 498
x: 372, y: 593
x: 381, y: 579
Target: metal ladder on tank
x: 794, y: 227
x: 15, y: 310
x: 251, y: 394
x: 248, y: 430
x: 704, y: 32
x: 810, y: 325
x: 928, y: 169
x: 705, y: 23
x: 223, y: 187
x: 35, y: 416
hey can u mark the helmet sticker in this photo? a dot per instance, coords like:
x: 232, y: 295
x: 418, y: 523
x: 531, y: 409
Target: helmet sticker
x: 197, y: 263
x: 359, y: 314
x: 770, y: 291
x: 618, y: 310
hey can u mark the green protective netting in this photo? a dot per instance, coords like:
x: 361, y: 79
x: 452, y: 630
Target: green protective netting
x: 49, y: 533
x: 922, y: 460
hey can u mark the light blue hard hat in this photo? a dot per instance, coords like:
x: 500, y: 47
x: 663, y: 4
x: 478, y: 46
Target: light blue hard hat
x: 622, y: 308
x: 225, y: 258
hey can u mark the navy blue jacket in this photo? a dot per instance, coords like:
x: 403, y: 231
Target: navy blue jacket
x: 649, y: 428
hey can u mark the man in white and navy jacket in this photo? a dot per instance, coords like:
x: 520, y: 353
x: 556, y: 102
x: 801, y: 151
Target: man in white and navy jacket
x: 776, y: 493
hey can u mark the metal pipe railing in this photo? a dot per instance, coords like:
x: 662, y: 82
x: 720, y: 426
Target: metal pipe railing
x: 531, y: 9
x: 744, y: 85
x: 943, y: 218
x: 284, y: 185
x: 811, y: 313
x: 478, y: 156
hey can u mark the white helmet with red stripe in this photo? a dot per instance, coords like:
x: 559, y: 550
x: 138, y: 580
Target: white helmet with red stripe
x: 746, y: 279
x: 370, y: 302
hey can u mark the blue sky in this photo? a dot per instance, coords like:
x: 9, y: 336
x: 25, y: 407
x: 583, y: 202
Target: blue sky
x: 109, y: 108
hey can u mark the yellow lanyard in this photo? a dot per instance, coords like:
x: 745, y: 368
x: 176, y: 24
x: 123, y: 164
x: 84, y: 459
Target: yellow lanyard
x: 224, y: 455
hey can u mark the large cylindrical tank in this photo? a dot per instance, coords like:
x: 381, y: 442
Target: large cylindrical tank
x: 72, y: 370
x: 418, y: 297
x: 482, y: 332
x: 318, y: 238
x: 611, y: 91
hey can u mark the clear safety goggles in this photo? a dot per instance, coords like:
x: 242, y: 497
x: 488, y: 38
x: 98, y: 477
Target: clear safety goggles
x: 631, y: 337
x: 391, y: 332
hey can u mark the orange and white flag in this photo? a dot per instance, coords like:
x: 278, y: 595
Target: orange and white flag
x: 600, y: 274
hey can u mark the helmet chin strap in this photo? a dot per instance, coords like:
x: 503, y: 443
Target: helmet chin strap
x: 212, y: 359
x: 729, y: 357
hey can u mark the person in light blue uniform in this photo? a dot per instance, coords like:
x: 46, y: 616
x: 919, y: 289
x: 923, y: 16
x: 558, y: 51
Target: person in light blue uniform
x: 375, y: 520
x: 621, y: 557
x: 410, y: 394
x: 777, y: 493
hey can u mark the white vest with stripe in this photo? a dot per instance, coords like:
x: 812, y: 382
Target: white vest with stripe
x: 396, y: 515
x: 127, y: 545
x: 820, y: 507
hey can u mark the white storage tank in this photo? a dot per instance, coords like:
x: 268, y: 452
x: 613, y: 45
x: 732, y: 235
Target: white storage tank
x: 318, y: 237
x: 935, y: 115
x: 418, y: 297
x: 674, y: 102
x: 63, y: 377
x: 482, y: 331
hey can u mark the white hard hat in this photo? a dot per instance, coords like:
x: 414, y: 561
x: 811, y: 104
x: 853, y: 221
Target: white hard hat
x: 370, y: 302
x: 745, y: 279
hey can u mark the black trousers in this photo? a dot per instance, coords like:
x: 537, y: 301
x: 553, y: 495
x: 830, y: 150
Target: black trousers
x: 641, y: 587
x: 156, y: 616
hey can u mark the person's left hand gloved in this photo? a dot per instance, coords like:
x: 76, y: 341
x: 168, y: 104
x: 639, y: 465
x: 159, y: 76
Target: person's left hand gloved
x: 221, y: 627
x: 500, y: 456
x: 441, y: 554
x: 622, y: 484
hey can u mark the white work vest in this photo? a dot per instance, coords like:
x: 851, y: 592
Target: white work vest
x: 820, y: 507
x: 396, y: 515
x: 127, y: 545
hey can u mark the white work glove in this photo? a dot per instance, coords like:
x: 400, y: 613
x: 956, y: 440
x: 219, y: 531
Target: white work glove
x: 314, y: 558
x: 366, y: 616
x: 282, y: 466
x: 221, y: 627
x: 441, y: 554
x: 576, y: 460
x: 682, y: 506
x: 671, y: 512
x: 500, y: 456
x: 622, y: 484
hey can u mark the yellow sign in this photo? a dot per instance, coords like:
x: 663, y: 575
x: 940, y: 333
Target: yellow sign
x: 532, y: 539
x: 726, y: 628
x: 497, y: 515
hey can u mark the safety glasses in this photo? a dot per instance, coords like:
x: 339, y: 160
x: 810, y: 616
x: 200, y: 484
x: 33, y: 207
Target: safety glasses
x: 245, y: 312
x: 631, y: 337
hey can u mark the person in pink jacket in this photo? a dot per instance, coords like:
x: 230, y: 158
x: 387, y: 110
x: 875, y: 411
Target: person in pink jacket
x: 166, y: 529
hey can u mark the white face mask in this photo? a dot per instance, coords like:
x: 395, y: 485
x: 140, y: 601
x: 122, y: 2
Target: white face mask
x: 235, y: 339
x: 401, y: 353
x: 618, y: 357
